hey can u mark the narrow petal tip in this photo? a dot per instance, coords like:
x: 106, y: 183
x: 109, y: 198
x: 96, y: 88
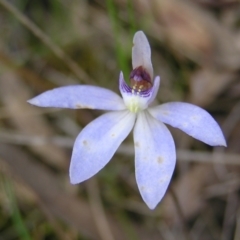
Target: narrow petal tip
x: 151, y: 205
x: 73, y: 181
x: 33, y: 101
x: 75, y: 176
x: 221, y: 142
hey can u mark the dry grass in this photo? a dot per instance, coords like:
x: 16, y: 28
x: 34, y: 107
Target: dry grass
x: 50, y: 43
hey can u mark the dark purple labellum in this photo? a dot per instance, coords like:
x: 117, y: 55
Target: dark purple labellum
x: 140, y: 80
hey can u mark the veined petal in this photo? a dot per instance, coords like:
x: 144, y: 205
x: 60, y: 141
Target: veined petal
x: 141, y: 53
x: 97, y: 142
x: 155, y: 158
x: 137, y: 101
x: 79, y: 96
x: 191, y: 119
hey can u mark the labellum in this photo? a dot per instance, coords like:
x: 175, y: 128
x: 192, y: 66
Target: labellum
x: 140, y: 80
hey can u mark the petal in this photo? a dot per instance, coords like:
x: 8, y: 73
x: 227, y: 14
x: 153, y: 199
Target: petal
x: 155, y: 88
x: 136, y: 101
x: 141, y: 53
x: 79, y: 96
x: 98, y: 141
x: 155, y: 158
x: 191, y: 119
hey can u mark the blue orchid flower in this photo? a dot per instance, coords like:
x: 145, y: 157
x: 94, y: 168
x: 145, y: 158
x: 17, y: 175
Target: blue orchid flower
x: 155, y: 154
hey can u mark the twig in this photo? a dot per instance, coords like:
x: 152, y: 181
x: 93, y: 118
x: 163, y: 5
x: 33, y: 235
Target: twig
x: 20, y: 139
x: 185, y: 231
x: 98, y: 211
x: 4, y: 112
x: 61, y: 234
x: 229, y: 216
x: 194, y: 156
x: 232, y: 119
x: 237, y: 228
x: 183, y: 155
x: 48, y: 42
x: 228, y: 126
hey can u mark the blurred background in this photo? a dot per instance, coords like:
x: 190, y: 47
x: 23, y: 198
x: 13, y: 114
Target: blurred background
x: 51, y: 43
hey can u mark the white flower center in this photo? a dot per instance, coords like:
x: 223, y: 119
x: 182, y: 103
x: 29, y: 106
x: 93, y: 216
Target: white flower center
x: 135, y: 103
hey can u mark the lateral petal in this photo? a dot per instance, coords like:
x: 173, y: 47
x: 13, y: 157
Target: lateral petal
x: 155, y: 158
x: 97, y: 142
x: 191, y: 119
x: 79, y: 96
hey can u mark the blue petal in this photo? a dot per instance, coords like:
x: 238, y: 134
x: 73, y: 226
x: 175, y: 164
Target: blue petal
x: 192, y: 120
x: 79, y: 96
x: 98, y: 141
x: 155, y: 158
